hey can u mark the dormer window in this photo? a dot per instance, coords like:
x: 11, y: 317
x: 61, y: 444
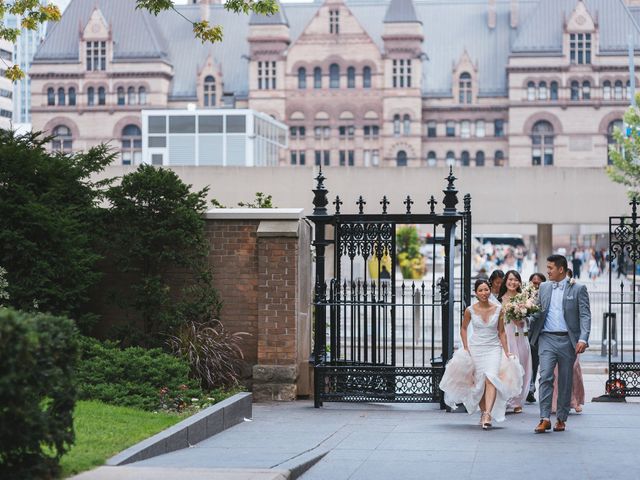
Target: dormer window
x: 209, y: 91
x: 96, y: 56
x: 580, y: 48
x: 465, y: 94
x: 334, y: 21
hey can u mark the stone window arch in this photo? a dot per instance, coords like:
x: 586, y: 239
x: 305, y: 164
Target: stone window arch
x: 480, y: 158
x: 542, y: 91
x: 351, y: 77
x: 465, y: 94
x: 51, y: 96
x: 586, y: 90
x: 553, y: 91
x: 61, y: 96
x: 575, y: 90
x: 396, y: 125
x: 542, y: 139
x: 465, y: 159
x: 209, y: 91
x: 102, y: 96
x: 498, y: 159
x: 366, y: 77
x: 142, y: 95
x: 72, y: 96
x: 432, y: 160
x: 406, y: 124
x: 401, y: 158
x: 62, y: 140
x: 131, y: 145
x: 121, y: 97
x: 531, y: 91
x: 606, y: 90
x: 302, y: 78
x: 317, y: 77
x: 617, y: 90
x: 611, y: 141
x: 450, y: 159
x: 91, y: 96
x: 132, y: 98
x: 334, y: 75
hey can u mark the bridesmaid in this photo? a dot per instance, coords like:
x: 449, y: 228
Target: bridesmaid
x: 517, y: 337
x: 495, y: 282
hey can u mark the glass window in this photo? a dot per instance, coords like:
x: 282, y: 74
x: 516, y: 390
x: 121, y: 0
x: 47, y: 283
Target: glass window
x: 236, y: 124
x: 182, y: 124
x: 351, y: 77
x: 431, y: 159
x: 102, y: 96
x: 210, y: 123
x: 120, y: 94
x: 450, y: 159
x: 586, y: 90
x: 72, y: 96
x: 396, y: 125
x: 465, y: 159
x: 531, y: 91
x: 317, y: 77
x: 575, y: 90
x: 131, y: 151
x: 91, y: 100
x: 401, y: 159
x: 157, y: 124
x: 51, y: 96
x: 302, y: 78
x: 96, y: 54
x: 334, y: 21
x: 542, y: 137
x: 157, y: 142
x: 480, y: 128
x: 618, y: 90
x: 406, y: 124
x: 209, y: 90
x: 334, y: 76
x: 451, y: 128
x: 62, y: 140
x: 465, y: 94
x: 498, y: 159
x: 606, y: 90
x: 542, y: 91
x: 465, y: 129
x: 432, y: 129
x: 366, y: 77
x: 553, y: 94
x: 580, y: 48
x: 61, y: 96
x: 131, y: 96
x: 480, y: 159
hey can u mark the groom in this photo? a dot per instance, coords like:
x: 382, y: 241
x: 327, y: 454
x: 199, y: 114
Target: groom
x: 561, y: 331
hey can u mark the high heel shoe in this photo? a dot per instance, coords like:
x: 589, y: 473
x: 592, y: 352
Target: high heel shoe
x: 486, y: 421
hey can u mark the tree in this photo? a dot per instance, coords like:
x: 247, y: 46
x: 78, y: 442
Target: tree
x: 625, y: 154
x: 33, y: 14
x: 160, y: 244
x: 48, y: 215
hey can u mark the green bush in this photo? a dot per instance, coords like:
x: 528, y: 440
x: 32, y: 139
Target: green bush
x: 134, y: 377
x: 38, y: 356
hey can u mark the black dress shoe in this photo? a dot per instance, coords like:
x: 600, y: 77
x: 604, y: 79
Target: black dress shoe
x: 531, y: 398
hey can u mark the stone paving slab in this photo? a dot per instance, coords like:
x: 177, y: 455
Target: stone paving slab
x: 150, y: 473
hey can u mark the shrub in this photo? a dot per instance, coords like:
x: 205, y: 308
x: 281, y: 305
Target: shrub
x: 212, y: 352
x: 38, y: 355
x: 410, y: 259
x: 134, y: 377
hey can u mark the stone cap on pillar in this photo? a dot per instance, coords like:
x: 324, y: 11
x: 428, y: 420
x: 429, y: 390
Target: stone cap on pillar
x: 254, y: 214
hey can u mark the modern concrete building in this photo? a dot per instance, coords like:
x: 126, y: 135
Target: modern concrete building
x: 224, y: 137
x: 361, y: 82
x: 6, y: 87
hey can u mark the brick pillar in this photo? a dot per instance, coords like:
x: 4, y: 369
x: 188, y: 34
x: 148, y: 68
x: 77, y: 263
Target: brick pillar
x: 276, y: 371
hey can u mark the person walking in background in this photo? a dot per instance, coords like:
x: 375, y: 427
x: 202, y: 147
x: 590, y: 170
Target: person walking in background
x: 536, y: 279
x: 576, y: 261
x: 495, y: 282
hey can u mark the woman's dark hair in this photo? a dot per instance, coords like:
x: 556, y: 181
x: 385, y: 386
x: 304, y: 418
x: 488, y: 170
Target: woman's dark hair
x: 539, y: 275
x: 503, y: 288
x: 495, y: 274
x: 569, y: 273
x: 479, y: 282
x: 558, y: 261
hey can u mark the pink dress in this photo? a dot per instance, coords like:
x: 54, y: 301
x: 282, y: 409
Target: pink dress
x: 518, y: 341
x: 577, y: 392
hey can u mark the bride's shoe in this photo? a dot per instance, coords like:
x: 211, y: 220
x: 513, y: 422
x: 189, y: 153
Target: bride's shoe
x: 486, y: 421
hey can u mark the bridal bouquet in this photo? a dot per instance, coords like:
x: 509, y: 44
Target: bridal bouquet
x: 522, y: 304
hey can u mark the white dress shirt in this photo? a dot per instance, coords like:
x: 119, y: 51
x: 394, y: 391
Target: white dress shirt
x: 555, y: 321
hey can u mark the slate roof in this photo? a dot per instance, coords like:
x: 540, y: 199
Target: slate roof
x: 450, y: 27
x: 279, y: 18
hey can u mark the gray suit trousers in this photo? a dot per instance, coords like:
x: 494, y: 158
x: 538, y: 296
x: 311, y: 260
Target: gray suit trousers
x: 556, y: 350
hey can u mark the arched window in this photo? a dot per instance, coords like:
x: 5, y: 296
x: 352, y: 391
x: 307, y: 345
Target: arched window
x: 302, y: 78
x: 586, y: 90
x: 396, y: 125
x: 465, y: 96
x: 61, y: 96
x: 406, y: 124
x: 575, y: 90
x: 611, y: 141
x: 351, y: 77
x: 450, y: 159
x: 121, y: 98
x: 51, y: 96
x: 606, y: 90
x: 131, y: 145
x: 334, y: 76
x: 617, y: 90
x: 431, y: 159
x: 401, y: 159
x: 142, y: 96
x: 91, y: 96
x: 62, y: 140
x: 366, y: 77
x: 480, y: 158
x: 209, y: 91
x: 72, y: 96
x: 498, y: 159
x: 542, y: 91
x: 465, y: 159
x: 553, y: 93
x: 531, y: 91
x: 317, y: 77
x: 628, y: 90
x: 131, y: 96
x: 102, y: 96
x: 542, y: 143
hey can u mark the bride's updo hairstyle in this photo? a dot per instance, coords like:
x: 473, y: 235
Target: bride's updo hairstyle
x: 479, y: 282
x: 503, y: 288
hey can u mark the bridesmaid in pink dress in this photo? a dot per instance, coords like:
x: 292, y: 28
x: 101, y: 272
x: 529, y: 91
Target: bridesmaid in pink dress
x: 517, y: 338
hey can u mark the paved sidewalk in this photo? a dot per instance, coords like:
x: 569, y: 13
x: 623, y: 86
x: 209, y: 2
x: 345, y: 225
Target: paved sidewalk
x: 374, y: 441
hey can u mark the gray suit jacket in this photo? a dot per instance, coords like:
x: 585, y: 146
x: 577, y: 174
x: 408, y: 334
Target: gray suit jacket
x: 577, y: 313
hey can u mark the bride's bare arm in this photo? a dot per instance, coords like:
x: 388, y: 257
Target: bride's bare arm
x: 463, y: 329
x: 502, y: 334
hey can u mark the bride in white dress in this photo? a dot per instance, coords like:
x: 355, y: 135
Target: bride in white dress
x: 483, y: 375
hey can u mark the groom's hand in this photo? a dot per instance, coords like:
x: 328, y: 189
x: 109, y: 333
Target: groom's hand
x: 581, y: 347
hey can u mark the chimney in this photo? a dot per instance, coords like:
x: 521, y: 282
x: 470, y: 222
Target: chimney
x: 514, y: 14
x: 491, y: 14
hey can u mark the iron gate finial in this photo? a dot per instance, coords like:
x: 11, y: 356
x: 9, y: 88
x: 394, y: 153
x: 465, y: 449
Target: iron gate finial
x: 408, y: 202
x: 384, y: 204
x: 320, y: 200
x: 467, y: 203
x: 450, y: 195
x: 337, y: 203
x: 432, y: 205
x: 361, y: 203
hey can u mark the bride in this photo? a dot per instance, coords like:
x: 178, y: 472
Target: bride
x: 483, y: 375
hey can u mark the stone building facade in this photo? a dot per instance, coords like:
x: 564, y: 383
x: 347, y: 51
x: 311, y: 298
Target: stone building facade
x: 360, y: 82
x: 6, y: 87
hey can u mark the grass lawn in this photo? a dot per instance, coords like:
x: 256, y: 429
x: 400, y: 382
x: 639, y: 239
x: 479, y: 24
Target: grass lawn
x: 103, y: 430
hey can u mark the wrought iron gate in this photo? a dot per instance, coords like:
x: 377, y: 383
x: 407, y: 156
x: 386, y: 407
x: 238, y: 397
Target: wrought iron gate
x: 375, y: 338
x: 623, y: 329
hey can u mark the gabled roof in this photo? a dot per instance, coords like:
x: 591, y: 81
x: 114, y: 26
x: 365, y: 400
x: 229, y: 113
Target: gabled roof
x: 542, y: 30
x: 401, y: 11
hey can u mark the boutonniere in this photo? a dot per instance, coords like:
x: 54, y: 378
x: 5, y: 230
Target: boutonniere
x: 572, y: 281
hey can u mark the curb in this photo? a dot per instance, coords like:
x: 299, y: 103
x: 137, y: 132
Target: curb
x: 190, y: 431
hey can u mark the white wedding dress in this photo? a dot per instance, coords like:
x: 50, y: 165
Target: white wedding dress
x: 464, y: 377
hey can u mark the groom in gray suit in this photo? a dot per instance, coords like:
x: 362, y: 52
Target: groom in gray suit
x: 561, y: 331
